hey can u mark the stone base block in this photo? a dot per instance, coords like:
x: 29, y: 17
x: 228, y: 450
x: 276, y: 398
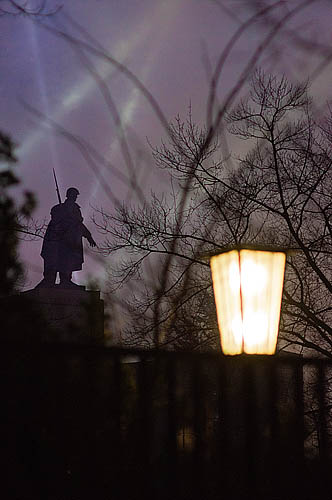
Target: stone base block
x: 68, y: 314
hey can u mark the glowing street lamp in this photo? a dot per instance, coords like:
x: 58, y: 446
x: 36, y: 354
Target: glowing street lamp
x: 248, y: 287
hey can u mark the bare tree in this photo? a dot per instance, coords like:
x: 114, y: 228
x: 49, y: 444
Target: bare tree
x: 287, y: 176
x: 146, y: 233
x: 278, y: 192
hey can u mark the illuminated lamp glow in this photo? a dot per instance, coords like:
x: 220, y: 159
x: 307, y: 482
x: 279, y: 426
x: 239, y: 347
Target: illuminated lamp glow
x: 248, y: 289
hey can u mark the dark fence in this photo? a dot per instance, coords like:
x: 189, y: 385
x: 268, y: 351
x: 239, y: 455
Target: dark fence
x: 87, y: 422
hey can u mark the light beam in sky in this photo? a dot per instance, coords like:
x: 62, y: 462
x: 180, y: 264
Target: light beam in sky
x: 77, y: 93
x: 162, y: 14
x: 32, y: 37
x: 166, y: 14
x: 126, y: 116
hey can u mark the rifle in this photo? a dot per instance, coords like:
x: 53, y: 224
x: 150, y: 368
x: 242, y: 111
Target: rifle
x: 57, y: 187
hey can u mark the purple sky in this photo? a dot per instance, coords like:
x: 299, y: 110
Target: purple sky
x: 166, y: 44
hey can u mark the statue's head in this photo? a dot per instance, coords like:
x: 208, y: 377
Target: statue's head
x: 72, y: 193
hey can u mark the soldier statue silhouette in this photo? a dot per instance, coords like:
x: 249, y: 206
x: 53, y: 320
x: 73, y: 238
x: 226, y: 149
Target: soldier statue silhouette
x: 62, y: 248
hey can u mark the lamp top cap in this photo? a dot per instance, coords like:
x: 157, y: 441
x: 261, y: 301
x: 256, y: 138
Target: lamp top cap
x: 254, y: 247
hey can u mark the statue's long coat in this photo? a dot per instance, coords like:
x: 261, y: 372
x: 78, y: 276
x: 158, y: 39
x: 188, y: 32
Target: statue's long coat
x: 62, y: 248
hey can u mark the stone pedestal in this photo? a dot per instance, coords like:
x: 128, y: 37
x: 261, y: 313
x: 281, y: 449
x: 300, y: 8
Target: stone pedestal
x: 68, y: 314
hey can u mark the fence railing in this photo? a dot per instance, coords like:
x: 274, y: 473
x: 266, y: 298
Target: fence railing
x: 88, y: 422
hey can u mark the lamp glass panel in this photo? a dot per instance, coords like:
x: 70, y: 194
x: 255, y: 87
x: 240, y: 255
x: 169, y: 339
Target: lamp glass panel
x: 225, y: 270
x: 248, y: 288
x: 262, y: 275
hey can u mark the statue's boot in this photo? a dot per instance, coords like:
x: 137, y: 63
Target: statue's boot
x: 66, y: 282
x: 48, y: 281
